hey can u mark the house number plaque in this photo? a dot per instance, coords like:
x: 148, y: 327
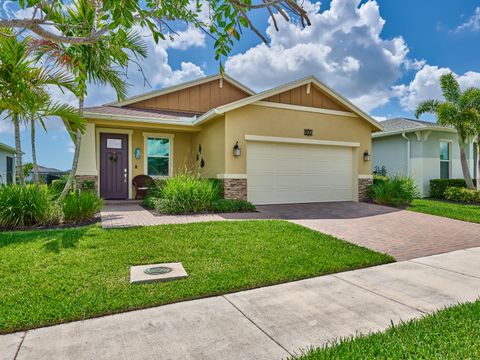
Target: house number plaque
x: 308, y: 132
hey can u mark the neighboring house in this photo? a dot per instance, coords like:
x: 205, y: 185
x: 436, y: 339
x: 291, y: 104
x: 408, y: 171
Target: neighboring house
x: 421, y: 149
x: 7, y: 164
x: 46, y: 175
x: 300, y: 142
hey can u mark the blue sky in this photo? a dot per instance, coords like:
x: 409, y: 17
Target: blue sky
x: 384, y: 55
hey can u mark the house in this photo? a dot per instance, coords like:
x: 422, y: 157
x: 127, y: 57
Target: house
x: 46, y: 174
x: 299, y: 142
x: 7, y: 164
x: 421, y: 149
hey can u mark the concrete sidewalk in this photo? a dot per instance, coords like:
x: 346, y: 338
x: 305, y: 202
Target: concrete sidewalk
x: 267, y: 323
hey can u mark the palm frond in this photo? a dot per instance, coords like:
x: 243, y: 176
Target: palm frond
x: 450, y: 88
x: 427, y: 107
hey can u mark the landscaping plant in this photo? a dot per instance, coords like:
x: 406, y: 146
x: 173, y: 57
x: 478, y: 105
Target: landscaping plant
x: 465, y: 195
x: 438, y: 186
x: 232, y: 205
x: 81, y: 207
x: 395, y: 191
x: 25, y: 206
x: 187, y: 193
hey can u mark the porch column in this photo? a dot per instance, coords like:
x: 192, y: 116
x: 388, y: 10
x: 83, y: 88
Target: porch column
x: 87, y: 161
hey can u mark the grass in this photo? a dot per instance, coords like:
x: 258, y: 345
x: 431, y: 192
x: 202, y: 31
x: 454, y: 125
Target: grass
x: 453, y: 333
x: 54, y: 276
x: 447, y: 209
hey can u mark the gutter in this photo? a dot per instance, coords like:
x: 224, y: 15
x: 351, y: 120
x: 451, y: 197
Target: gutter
x: 408, y: 152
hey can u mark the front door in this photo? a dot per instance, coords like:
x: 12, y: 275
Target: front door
x: 114, y: 166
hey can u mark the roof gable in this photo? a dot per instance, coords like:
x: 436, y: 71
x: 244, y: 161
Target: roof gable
x: 196, y: 96
x: 309, y: 82
x: 402, y: 125
x: 307, y: 95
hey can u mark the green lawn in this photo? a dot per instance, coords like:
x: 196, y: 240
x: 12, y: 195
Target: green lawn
x: 53, y: 276
x: 453, y: 333
x: 447, y: 209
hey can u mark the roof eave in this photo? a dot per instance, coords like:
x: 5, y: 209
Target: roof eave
x: 180, y: 121
x: 412, y: 130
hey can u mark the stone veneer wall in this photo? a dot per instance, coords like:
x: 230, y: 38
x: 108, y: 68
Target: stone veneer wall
x: 363, y: 185
x: 235, y: 189
x: 81, y: 178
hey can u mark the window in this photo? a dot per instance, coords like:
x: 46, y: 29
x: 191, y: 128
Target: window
x: 444, y: 160
x: 158, y: 156
x: 9, y: 170
x: 114, y: 143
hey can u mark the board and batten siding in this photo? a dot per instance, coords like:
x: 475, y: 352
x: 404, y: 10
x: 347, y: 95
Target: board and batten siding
x: 303, y: 96
x: 196, y: 99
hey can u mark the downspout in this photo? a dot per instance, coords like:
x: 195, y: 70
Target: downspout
x: 408, y: 152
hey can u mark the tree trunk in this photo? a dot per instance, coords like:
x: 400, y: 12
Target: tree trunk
x: 76, y: 155
x: 465, y: 168
x: 18, y: 148
x: 36, y: 178
x: 478, y: 162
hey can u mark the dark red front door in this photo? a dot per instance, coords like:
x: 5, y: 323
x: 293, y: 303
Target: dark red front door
x: 114, y: 166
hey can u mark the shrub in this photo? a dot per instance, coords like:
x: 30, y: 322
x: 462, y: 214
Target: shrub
x: 187, y: 194
x: 87, y: 185
x: 232, y: 205
x: 380, y: 171
x: 57, y: 186
x: 149, y: 202
x: 78, y: 208
x: 462, y: 195
x: 25, y: 206
x: 438, y: 186
x: 396, y: 191
x: 377, y: 179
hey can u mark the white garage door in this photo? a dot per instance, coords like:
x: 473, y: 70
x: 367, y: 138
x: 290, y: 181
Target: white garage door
x: 279, y: 173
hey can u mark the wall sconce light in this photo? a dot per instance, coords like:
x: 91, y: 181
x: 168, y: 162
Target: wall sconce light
x: 237, y: 151
x: 366, y: 156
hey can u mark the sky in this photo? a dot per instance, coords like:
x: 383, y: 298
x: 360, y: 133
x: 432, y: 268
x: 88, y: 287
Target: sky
x: 385, y: 56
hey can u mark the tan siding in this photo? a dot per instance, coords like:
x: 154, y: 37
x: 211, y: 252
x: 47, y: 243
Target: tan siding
x: 298, y: 96
x: 197, y: 99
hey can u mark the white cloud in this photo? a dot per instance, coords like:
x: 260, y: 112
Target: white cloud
x: 343, y: 47
x: 156, y: 68
x: 380, y: 118
x: 426, y: 85
x: 6, y: 126
x: 472, y: 24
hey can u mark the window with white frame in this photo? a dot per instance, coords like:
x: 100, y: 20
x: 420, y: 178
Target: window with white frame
x: 158, y: 156
x: 445, y: 152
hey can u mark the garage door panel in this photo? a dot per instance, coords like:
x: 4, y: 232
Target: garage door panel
x: 294, y: 173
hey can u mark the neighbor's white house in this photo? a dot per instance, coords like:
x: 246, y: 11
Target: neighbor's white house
x: 420, y: 149
x: 7, y: 164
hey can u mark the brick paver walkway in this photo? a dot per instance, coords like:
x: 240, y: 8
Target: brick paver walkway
x: 402, y: 234
x: 128, y: 215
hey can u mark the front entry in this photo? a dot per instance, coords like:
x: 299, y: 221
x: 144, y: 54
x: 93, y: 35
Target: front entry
x: 114, y: 166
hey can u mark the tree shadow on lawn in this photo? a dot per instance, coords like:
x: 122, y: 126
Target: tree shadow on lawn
x: 53, y: 240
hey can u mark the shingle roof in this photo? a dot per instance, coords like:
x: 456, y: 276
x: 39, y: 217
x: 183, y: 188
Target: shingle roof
x: 398, y: 125
x: 136, y: 112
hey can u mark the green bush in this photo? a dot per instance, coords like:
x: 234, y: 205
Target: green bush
x: 462, y: 195
x: 26, y: 206
x: 79, y: 208
x: 57, y: 186
x: 438, y: 186
x: 149, y: 202
x: 377, y: 179
x: 231, y: 205
x: 396, y: 191
x: 187, y: 194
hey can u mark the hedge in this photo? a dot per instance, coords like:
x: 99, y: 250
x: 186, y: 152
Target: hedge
x: 438, y: 186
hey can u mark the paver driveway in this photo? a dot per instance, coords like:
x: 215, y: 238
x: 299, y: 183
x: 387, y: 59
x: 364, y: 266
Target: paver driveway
x: 403, y: 234
x: 400, y: 233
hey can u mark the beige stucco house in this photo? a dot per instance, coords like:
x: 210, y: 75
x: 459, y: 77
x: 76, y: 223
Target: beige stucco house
x: 299, y: 142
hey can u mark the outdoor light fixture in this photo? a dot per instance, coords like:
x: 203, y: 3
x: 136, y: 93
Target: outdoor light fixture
x: 237, y: 151
x: 366, y: 156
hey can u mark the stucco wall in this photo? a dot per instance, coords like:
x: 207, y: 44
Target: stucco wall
x: 424, y: 157
x: 212, y: 141
x: 266, y: 121
x: 390, y: 152
x: 3, y: 166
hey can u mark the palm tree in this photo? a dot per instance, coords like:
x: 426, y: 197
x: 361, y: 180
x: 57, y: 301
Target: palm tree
x: 101, y: 63
x: 39, y: 107
x: 456, y: 111
x: 19, y: 80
